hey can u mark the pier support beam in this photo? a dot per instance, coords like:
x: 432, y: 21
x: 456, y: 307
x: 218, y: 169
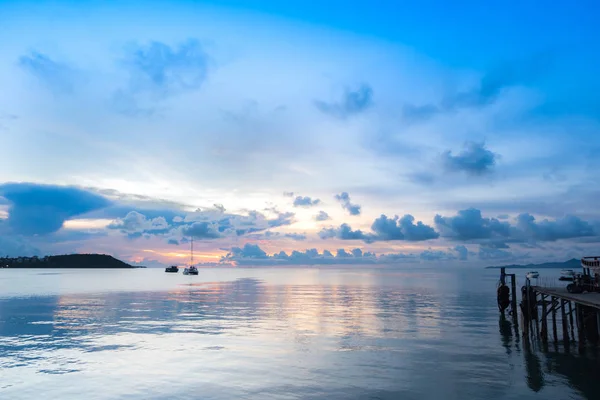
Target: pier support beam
x: 544, y: 320
x: 513, y: 292
x: 580, y: 326
x: 565, y: 322
x: 571, y: 320
x: 553, y: 305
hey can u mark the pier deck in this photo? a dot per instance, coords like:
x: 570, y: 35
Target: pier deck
x: 586, y: 299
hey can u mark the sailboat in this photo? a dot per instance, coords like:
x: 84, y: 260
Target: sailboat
x: 191, y: 270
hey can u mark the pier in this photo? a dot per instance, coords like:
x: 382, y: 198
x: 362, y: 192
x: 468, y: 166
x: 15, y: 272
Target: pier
x: 568, y: 314
x: 577, y: 314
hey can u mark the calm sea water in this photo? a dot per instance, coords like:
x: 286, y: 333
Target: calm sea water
x: 273, y: 334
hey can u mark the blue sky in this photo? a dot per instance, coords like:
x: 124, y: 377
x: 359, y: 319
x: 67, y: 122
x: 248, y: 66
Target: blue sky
x: 298, y: 133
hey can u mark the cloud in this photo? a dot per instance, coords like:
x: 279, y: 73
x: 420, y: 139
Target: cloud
x: 156, y: 71
x: 277, y: 235
x: 15, y: 245
x: 486, y: 92
x: 249, y: 251
x: 135, y: 222
x: 469, y: 224
x: 252, y: 254
x: 300, y: 201
x: 288, y: 194
x: 165, y: 70
x: 463, y: 252
x: 58, y: 77
x: 322, y: 216
x: 437, y: 255
x: 402, y: 229
x: 202, y: 230
x: 344, y: 199
x: 384, y: 229
x: 173, y: 241
x: 352, y: 103
x: 42, y: 209
x: 412, y: 113
x: 496, y: 80
x: 487, y: 253
x: 475, y: 159
x: 345, y: 232
x: 568, y: 227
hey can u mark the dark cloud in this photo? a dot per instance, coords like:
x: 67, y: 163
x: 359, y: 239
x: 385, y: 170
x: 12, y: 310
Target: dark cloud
x: 463, y: 252
x: 548, y: 231
x: 173, y: 241
x: 469, y: 224
x: 202, y: 230
x: 475, y: 159
x: 384, y: 229
x: 352, y: 103
x: 345, y: 232
x: 402, y: 229
x: 344, y: 199
x: 12, y: 245
x: 135, y: 222
x: 252, y: 254
x: 300, y: 201
x: 288, y: 194
x: 56, y: 76
x: 42, y: 209
x: 322, y: 216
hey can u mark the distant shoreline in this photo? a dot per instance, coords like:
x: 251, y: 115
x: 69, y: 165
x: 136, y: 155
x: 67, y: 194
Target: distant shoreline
x: 70, y: 261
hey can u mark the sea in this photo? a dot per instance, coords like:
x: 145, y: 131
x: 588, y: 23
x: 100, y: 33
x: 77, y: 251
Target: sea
x: 275, y: 333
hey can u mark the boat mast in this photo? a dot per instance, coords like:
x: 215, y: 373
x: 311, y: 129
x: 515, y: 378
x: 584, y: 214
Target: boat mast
x: 192, y: 253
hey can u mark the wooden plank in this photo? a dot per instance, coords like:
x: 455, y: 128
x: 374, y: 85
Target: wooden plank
x: 586, y: 299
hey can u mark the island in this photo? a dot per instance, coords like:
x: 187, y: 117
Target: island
x: 573, y: 263
x: 65, y: 261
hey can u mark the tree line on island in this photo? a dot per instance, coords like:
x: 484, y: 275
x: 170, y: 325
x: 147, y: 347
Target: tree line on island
x: 65, y: 261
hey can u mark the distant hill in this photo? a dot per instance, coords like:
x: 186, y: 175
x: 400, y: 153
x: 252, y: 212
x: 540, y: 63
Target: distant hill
x: 65, y: 261
x: 573, y: 263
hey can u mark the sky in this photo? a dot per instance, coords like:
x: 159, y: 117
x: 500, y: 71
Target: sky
x: 293, y: 133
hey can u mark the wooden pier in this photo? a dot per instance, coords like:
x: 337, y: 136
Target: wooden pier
x: 546, y: 309
x: 579, y: 315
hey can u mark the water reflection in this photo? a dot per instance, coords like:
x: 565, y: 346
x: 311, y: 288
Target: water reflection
x: 332, y: 336
x: 546, y: 369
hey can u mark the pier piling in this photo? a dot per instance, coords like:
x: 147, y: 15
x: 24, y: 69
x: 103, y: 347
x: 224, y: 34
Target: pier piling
x: 544, y: 332
x: 565, y: 322
x: 553, y: 305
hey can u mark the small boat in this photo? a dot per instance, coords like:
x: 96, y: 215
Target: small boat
x: 567, y: 275
x: 190, y: 270
x: 172, y: 268
x: 533, y: 275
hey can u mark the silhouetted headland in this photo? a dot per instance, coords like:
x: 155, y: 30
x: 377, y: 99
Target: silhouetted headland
x: 573, y: 263
x: 65, y: 261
